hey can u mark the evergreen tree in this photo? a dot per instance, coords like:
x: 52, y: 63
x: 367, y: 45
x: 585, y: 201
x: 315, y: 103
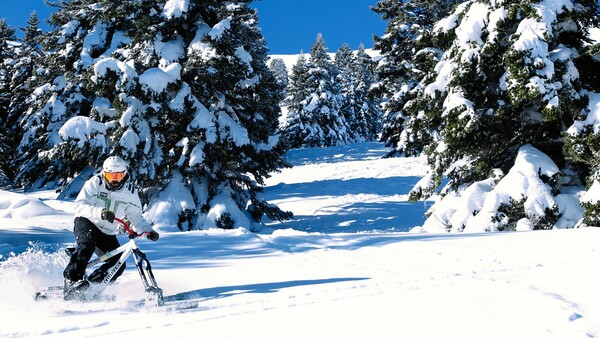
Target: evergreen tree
x: 30, y: 55
x: 317, y: 120
x: 501, y: 85
x: 23, y: 77
x: 59, y: 93
x: 343, y: 60
x: 582, y: 139
x: 408, y: 55
x: 7, y: 61
x: 356, y: 78
x: 280, y: 72
x: 296, y: 125
x: 228, y: 73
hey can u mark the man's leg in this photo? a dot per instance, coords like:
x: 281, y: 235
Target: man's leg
x: 85, y: 235
x: 104, y: 244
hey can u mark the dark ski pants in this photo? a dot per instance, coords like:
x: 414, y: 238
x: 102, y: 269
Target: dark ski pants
x: 90, y: 239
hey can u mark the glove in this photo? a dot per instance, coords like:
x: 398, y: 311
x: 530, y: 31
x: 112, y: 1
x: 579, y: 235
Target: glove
x: 108, y: 215
x: 153, y: 236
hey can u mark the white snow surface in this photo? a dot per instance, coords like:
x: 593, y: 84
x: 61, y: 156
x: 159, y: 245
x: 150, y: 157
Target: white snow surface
x: 345, y: 266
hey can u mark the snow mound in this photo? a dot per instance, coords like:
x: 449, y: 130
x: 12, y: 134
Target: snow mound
x: 165, y: 211
x: 13, y: 205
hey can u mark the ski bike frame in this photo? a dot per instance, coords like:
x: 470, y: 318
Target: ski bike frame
x: 128, y: 249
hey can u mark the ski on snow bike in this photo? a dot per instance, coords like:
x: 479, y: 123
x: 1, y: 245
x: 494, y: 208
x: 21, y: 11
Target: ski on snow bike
x: 154, y: 293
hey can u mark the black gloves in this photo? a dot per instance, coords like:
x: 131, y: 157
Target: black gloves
x: 108, y: 215
x: 153, y: 236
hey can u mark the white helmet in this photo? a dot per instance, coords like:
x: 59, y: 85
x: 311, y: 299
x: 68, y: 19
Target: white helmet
x: 114, y: 171
x: 114, y: 164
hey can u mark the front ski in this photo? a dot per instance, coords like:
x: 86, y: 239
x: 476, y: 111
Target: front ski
x: 49, y: 292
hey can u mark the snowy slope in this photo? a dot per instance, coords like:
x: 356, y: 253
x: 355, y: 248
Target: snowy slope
x: 344, y: 267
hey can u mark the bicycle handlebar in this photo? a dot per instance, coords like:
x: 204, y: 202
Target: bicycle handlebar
x: 128, y: 229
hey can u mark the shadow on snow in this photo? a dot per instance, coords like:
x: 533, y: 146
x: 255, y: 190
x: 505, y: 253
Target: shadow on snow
x: 232, y: 290
x: 360, y: 217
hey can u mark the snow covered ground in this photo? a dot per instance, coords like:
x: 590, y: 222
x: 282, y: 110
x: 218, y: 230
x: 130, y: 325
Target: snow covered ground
x: 346, y: 266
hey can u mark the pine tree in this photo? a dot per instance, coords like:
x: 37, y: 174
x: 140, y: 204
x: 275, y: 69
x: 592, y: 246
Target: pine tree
x: 228, y: 72
x: 58, y: 94
x: 317, y: 120
x: 280, y: 71
x: 408, y: 55
x: 582, y: 139
x: 23, y: 75
x: 7, y: 60
x: 356, y: 77
x: 500, y: 86
x: 296, y: 125
x: 343, y: 60
x: 30, y: 55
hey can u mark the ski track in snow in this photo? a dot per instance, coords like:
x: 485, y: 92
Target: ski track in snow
x: 344, y: 267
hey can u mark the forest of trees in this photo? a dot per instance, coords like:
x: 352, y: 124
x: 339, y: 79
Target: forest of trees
x: 328, y: 101
x: 189, y: 97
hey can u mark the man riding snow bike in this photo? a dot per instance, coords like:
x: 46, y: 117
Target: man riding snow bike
x: 103, y: 199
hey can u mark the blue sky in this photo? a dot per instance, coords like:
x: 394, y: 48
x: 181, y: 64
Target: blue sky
x: 292, y: 25
x: 289, y: 26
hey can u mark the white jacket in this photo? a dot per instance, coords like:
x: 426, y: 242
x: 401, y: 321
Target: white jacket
x: 124, y: 202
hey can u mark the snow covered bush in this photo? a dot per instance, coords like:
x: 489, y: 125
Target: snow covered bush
x: 591, y: 203
x: 523, y: 199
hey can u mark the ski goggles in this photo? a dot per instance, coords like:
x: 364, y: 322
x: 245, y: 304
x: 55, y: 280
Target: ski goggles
x: 118, y: 176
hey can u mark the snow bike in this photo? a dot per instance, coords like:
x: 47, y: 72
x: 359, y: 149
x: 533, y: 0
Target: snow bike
x: 154, y: 293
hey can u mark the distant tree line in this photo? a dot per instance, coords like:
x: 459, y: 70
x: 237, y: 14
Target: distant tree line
x: 327, y: 100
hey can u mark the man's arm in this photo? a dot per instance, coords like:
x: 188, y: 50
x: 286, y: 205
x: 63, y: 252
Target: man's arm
x: 86, y: 201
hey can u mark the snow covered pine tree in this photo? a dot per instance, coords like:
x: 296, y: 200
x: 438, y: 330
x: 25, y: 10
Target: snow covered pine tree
x: 314, y: 116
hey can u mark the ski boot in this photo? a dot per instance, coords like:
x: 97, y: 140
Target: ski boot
x: 75, y: 290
